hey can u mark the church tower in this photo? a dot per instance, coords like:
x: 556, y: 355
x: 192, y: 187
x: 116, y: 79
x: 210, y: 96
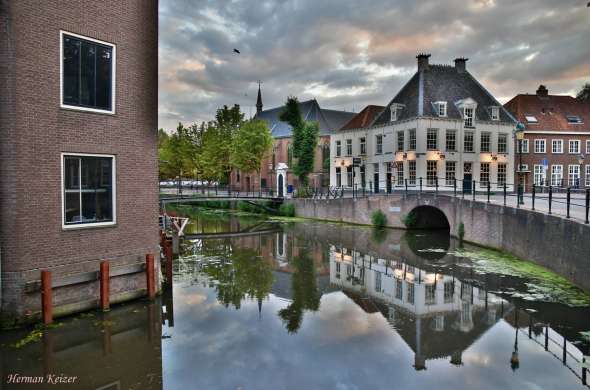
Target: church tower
x: 259, y: 100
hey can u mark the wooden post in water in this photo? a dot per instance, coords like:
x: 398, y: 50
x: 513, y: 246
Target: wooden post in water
x: 149, y: 272
x: 169, y: 261
x: 46, y: 304
x: 104, y: 286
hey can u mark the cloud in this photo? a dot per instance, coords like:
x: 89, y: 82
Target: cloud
x: 348, y: 56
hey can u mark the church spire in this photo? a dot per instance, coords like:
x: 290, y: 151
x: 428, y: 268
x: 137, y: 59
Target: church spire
x: 259, y: 100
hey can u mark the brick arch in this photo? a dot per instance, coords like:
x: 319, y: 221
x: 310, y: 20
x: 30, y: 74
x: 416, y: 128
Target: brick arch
x: 429, y: 217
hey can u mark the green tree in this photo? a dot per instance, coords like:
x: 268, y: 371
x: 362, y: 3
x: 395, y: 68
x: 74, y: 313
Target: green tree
x: 305, y: 139
x: 178, y: 152
x: 251, y: 143
x: 584, y: 94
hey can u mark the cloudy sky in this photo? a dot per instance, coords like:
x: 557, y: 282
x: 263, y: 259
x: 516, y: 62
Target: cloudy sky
x: 350, y: 53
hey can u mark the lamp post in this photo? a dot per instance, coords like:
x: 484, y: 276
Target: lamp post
x: 581, y: 158
x: 519, y: 132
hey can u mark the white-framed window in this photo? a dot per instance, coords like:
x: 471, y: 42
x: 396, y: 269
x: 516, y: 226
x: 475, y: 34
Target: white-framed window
x: 556, y: 175
x: 557, y: 146
x: 539, y: 174
x: 87, y: 73
x: 484, y: 174
x: 525, y: 145
x: 574, y: 175
x: 363, y: 144
x: 468, y: 142
x: 88, y: 190
x: 531, y: 119
x: 349, y: 147
x: 574, y: 119
x: 574, y: 146
x: 450, y: 168
x: 587, y: 175
x: 449, y: 289
x: 410, y: 292
x: 501, y: 174
x: 441, y: 108
x: 379, y: 144
x: 430, y: 294
x: 400, y: 141
x: 338, y: 177
x: 495, y: 113
x: 412, y: 139
x: 431, y: 173
x: 399, y: 171
x: 540, y: 146
x: 502, y: 143
x: 451, y: 141
x: 349, y: 176
x: 485, y: 144
x: 468, y: 116
x: 412, y: 172
x: 393, y: 110
x: 338, y: 148
x: 524, y: 167
x: 432, y: 139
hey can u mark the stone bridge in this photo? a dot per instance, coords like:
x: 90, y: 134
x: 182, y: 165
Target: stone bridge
x: 560, y: 244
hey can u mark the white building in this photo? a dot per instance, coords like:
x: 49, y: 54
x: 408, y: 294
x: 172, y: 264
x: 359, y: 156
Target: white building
x: 441, y: 126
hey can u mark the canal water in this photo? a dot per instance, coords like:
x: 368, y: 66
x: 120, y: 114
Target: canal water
x: 264, y: 303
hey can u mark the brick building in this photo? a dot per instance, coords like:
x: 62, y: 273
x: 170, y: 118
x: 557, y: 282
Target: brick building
x: 78, y: 147
x: 279, y: 163
x: 557, y: 130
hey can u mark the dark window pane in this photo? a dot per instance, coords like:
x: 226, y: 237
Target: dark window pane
x: 103, y: 77
x: 72, y: 189
x: 71, y: 71
x: 87, y: 74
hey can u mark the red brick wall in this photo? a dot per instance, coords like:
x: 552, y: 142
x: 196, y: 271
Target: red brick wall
x: 34, y: 131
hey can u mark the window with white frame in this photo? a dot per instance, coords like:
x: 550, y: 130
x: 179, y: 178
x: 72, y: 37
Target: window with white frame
x: 468, y: 142
x: 441, y: 108
x: 379, y: 144
x: 400, y: 141
x: 87, y: 73
x: 587, y: 175
x: 399, y: 171
x: 88, y: 184
x: 399, y: 289
x: 495, y: 113
x: 338, y: 148
x: 363, y: 144
x: 501, y: 174
x: 432, y: 139
x: 430, y: 294
x: 349, y: 176
x: 410, y: 292
x: 468, y: 116
x: 451, y: 141
x: 431, y: 173
x: 557, y: 146
x: 338, y: 177
x: 574, y: 146
x: 485, y: 144
x: 450, y: 168
x: 525, y: 145
x: 556, y: 175
x: 484, y: 174
x: 540, y: 146
x: 574, y: 175
x: 539, y: 175
x: 574, y: 119
x: 393, y: 110
x: 349, y: 147
x: 531, y: 119
x: 449, y: 288
x: 502, y: 143
x: 412, y: 172
x: 412, y: 139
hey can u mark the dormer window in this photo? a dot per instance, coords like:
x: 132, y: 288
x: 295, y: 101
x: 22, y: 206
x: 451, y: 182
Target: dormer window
x: 573, y: 119
x: 531, y: 119
x: 394, y: 111
x: 441, y: 108
x: 495, y: 113
x: 468, y: 114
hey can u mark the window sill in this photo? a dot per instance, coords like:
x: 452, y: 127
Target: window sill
x: 88, y: 226
x: 87, y: 110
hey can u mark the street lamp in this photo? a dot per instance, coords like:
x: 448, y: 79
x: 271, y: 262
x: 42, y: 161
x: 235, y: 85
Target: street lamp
x: 519, y: 132
x: 581, y: 158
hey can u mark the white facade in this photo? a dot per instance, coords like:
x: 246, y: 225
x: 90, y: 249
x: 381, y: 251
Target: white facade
x: 399, y: 162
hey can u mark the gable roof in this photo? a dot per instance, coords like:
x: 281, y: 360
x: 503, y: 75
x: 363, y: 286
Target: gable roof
x: 329, y: 120
x: 442, y: 83
x: 551, y: 112
x: 364, y: 118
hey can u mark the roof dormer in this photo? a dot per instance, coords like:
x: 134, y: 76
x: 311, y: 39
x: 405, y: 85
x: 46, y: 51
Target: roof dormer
x: 395, y: 110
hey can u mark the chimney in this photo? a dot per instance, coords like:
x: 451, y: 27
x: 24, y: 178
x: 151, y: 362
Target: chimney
x: 542, y: 91
x: 460, y: 64
x: 422, y: 61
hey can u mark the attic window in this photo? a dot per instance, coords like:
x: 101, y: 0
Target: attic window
x: 495, y: 113
x: 468, y: 113
x: 531, y: 118
x: 441, y: 108
x: 394, y: 111
x: 573, y: 119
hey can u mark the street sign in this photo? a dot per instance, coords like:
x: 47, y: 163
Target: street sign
x: 356, y: 161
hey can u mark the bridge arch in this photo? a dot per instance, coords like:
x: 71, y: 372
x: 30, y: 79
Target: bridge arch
x: 427, y: 217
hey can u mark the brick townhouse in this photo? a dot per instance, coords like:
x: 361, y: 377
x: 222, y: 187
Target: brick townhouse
x: 78, y: 147
x: 556, y: 144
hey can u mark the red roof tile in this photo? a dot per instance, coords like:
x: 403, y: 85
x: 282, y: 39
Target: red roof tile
x: 363, y: 118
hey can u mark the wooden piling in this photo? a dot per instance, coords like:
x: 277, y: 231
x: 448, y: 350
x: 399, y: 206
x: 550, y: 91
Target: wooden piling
x: 150, y: 275
x: 46, y: 302
x: 169, y: 261
x: 104, y: 286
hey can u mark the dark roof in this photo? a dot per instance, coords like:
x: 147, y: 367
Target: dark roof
x: 551, y: 112
x: 441, y: 83
x: 329, y: 120
x: 363, y: 118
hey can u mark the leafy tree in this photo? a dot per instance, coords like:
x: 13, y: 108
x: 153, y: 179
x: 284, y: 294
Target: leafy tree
x: 305, y: 139
x: 177, y: 152
x: 584, y: 94
x: 251, y: 143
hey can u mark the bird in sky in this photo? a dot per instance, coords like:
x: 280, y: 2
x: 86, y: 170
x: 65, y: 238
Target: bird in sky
x: 236, y: 51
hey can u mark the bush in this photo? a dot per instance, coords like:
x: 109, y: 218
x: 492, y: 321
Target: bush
x: 409, y: 220
x: 378, y: 219
x: 461, y: 233
x: 244, y: 206
x: 287, y: 210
